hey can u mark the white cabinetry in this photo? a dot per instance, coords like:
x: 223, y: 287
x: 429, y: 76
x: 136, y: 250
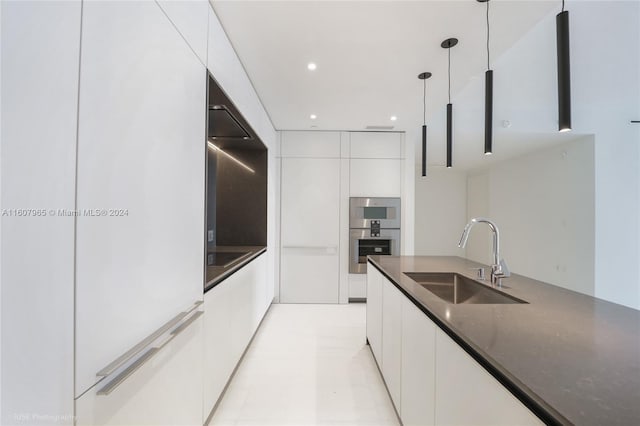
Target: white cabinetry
x: 430, y: 378
x: 191, y: 20
x: 460, y: 380
x: 310, y: 144
x: 218, y: 357
x: 140, y: 152
x: 165, y: 390
x: 40, y: 56
x: 376, y: 164
x: 233, y: 310
x: 392, y: 338
x: 418, y: 367
x: 374, y: 312
x: 376, y: 145
x: 375, y: 178
x: 310, y: 230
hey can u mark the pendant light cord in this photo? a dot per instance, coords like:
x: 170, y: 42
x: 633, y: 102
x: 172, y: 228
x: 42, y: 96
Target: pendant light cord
x: 424, y: 103
x: 449, y: 71
x: 488, y: 60
x: 563, y: 5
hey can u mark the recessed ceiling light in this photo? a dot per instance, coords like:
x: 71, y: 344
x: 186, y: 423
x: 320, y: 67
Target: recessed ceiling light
x: 311, y: 66
x: 313, y: 116
x: 394, y: 118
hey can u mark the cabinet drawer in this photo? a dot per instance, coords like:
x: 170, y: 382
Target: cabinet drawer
x: 165, y: 390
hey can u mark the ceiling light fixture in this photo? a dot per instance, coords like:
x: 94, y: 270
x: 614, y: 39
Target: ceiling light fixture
x: 564, y: 71
x: 311, y: 66
x: 448, y: 44
x: 424, y: 76
x: 313, y: 116
x: 488, y: 96
x: 393, y: 118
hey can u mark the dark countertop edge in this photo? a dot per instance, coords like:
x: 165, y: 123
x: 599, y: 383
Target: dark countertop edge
x: 235, y: 268
x: 544, y: 411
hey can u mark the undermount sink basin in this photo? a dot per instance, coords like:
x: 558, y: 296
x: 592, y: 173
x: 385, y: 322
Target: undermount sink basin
x: 457, y: 289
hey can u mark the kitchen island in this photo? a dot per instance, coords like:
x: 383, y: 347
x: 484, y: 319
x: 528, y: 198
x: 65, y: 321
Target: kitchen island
x: 568, y: 357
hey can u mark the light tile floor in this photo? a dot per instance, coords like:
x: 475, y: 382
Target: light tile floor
x: 308, y: 365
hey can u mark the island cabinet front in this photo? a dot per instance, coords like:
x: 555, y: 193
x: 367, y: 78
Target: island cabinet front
x: 431, y: 379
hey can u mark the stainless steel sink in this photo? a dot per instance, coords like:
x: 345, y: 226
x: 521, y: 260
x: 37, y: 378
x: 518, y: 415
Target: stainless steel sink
x: 457, y: 289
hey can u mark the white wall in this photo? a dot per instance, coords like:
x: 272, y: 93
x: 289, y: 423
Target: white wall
x: 543, y: 203
x: 605, y: 70
x: 605, y: 59
x: 40, y: 56
x: 440, y: 212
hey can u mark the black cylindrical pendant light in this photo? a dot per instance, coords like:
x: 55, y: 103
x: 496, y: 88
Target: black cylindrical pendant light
x: 448, y: 44
x: 564, y: 71
x: 449, y: 135
x: 424, y: 76
x: 488, y: 112
x: 488, y: 96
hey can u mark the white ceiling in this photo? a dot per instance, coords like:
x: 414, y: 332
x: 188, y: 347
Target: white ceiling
x: 368, y: 54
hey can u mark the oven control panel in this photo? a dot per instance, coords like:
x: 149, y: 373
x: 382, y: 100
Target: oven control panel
x: 375, y: 228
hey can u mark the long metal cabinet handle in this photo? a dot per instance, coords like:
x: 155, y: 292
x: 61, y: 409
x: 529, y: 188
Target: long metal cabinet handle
x: 127, y: 372
x: 124, y: 374
x: 134, y: 351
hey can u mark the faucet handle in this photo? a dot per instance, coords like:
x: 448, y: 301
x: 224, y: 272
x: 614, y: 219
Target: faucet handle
x: 504, y: 269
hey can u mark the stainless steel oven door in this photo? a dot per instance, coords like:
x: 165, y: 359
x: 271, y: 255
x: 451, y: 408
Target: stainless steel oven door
x: 362, y: 244
x: 363, y: 210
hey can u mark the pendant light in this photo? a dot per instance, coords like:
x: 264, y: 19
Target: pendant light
x: 424, y: 76
x: 564, y: 71
x: 448, y: 44
x: 488, y: 96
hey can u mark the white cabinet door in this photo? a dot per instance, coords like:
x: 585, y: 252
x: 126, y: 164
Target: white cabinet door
x: 392, y: 339
x: 218, y: 359
x: 467, y: 394
x: 165, y: 390
x: 374, y: 312
x: 259, y: 271
x: 375, y: 178
x: 310, y: 144
x: 232, y: 311
x: 418, y: 367
x: 310, y: 225
x: 191, y: 19
x: 141, y: 152
x: 376, y: 145
x: 242, y: 302
x: 40, y: 58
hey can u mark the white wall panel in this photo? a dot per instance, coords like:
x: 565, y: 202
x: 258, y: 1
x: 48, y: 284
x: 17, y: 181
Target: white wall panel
x: 190, y: 18
x: 40, y: 56
x: 376, y: 145
x: 375, y: 178
x: 141, y: 148
x: 310, y: 144
x: 440, y: 212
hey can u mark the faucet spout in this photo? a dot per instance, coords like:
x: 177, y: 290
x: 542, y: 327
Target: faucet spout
x: 499, y: 268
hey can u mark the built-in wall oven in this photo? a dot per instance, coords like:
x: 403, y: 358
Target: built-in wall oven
x: 374, y: 229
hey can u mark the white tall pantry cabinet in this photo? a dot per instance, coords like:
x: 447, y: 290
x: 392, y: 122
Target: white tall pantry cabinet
x: 143, y: 154
x: 310, y: 221
x: 320, y: 171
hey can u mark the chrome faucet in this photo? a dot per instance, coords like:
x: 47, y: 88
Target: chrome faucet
x: 499, y: 268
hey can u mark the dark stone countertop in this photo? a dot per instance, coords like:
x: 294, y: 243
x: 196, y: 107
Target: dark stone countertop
x: 216, y: 274
x: 569, y: 357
